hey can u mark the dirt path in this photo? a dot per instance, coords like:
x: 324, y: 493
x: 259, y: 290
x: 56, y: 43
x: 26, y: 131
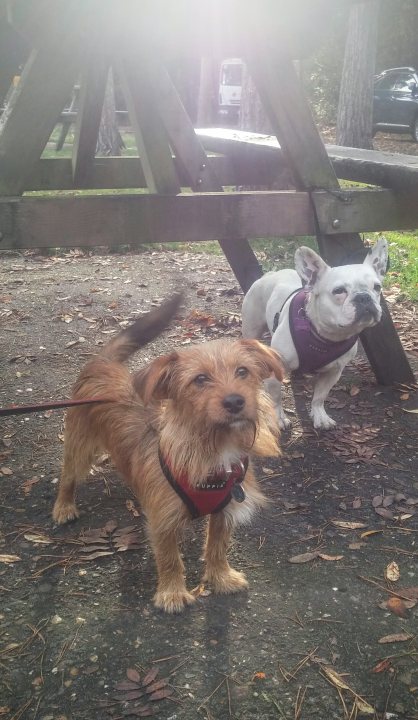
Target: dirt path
x: 307, y: 637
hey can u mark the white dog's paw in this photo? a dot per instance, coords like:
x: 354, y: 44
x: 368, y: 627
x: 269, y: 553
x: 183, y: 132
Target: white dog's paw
x: 282, y: 419
x: 320, y: 419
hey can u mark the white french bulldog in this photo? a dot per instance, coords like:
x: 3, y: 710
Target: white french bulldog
x: 314, y: 323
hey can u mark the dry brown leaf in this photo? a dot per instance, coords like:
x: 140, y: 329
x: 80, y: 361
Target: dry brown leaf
x: 381, y: 666
x: 396, y: 637
x: 398, y: 606
x: 354, y: 390
x: 388, y: 500
x: 364, y: 707
x: 348, y: 524
x: 392, y: 572
x: 377, y: 500
x: 38, y: 539
x: 9, y: 559
x: 335, y: 678
x: 369, y: 533
x: 384, y: 512
x: 303, y: 558
x: 133, y: 675
x: 130, y: 505
x: 330, y: 557
x: 6, y: 471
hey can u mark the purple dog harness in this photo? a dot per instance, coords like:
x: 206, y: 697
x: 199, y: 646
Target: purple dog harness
x: 314, y: 352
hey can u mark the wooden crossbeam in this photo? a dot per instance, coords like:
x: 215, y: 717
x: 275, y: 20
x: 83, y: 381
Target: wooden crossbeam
x: 148, y: 218
x: 126, y: 172
x: 90, y: 102
x: 32, y: 112
x: 150, y: 134
x: 193, y: 163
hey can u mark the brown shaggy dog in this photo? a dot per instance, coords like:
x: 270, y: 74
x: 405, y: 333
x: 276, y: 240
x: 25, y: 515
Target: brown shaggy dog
x: 191, y: 417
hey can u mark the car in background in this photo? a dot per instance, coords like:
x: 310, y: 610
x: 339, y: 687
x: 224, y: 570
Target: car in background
x: 395, y: 101
x: 230, y: 86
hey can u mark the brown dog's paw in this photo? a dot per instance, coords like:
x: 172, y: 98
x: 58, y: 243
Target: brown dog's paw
x: 230, y: 581
x: 173, y: 601
x: 64, y: 512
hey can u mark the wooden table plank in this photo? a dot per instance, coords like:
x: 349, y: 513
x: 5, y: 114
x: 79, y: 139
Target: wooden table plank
x: 391, y: 170
x: 148, y: 218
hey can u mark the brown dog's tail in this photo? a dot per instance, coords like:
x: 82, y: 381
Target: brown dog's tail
x: 142, y: 331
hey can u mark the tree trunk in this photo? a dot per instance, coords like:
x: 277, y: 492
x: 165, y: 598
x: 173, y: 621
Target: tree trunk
x: 109, y: 141
x: 355, y: 106
x: 207, y: 103
x: 252, y: 116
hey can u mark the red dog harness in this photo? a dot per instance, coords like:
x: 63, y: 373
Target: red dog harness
x: 212, y: 496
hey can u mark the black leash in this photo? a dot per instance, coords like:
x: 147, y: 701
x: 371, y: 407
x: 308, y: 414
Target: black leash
x: 23, y: 409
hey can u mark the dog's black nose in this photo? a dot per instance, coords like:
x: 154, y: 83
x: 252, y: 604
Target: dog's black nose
x: 363, y: 299
x: 233, y: 403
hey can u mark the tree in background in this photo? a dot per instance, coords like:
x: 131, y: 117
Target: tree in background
x: 252, y: 115
x: 355, y: 106
x: 109, y: 141
x: 207, y: 104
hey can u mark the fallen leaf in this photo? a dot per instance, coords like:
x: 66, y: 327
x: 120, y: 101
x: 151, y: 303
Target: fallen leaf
x: 38, y: 539
x: 330, y: 557
x: 151, y: 675
x: 368, y: 533
x: 392, y: 572
x: 259, y: 676
x: 130, y: 505
x: 363, y: 706
x: 377, y: 500
x: 303, y: 558
x: 398, y: 606
x: 388, y: 500
x: 382, y: 666
x: 384, y: 512
x: 133, y: 675
x: 6, y: 471
x: 348, y: 524
x: 354, y: 390
x: 396, y: 637
x: 356, y: 503
x: 9, y: 558
x: 335, y: 678
x: 415, y: 410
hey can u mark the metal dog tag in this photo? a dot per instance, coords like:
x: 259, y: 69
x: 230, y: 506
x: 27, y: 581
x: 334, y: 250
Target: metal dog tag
x: 238, y: 493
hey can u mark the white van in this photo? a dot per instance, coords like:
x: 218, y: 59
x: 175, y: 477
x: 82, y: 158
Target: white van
x: 230, y: 86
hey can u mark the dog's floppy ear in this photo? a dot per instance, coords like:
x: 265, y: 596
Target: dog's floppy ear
x: 153, y: 382
x: 377, y: 258
x: 309, y: 265
x: 267, y: 359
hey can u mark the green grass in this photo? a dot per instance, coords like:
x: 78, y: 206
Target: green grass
x: 403, y: 270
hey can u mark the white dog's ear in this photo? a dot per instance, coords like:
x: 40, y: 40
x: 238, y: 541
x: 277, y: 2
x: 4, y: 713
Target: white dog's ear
x: 309, y: 265
x: 378, y: 257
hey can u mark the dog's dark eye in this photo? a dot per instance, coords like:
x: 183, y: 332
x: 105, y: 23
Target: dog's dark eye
x: 201, y: 380
x: 241, y: 372
x: 339, y: 290
x: 377, y: 287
